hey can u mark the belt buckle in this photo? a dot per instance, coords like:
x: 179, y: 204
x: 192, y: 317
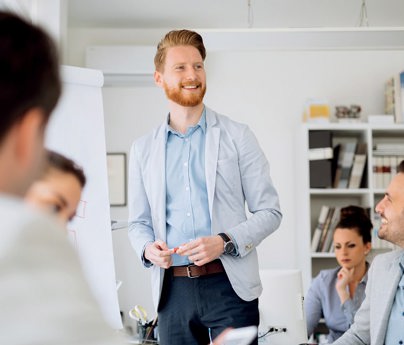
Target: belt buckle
x: 189, y: 272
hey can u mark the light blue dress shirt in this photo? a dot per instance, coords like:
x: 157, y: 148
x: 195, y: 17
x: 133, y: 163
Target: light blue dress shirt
x: 395, y: 327
x: 322, y: 301
x: 187, y: 209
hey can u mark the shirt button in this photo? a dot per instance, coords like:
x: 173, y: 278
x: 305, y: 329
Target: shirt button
x: 188, y: 214
x: 186, y: 188
x: 185, y: 164
x: 186, y: 139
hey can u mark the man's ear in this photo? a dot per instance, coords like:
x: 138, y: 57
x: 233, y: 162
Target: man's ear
x: 30, y: 138
x: 22, y: 153
x: 158, y: 79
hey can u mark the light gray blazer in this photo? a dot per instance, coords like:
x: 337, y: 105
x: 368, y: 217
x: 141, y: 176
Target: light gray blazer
x: 370, y: 323
x: 236, y: 172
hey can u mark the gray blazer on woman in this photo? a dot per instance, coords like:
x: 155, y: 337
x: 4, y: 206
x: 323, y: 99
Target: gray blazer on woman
x: 236, y: 172
x: 370, y: 323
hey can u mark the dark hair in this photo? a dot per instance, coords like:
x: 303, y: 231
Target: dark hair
x: 357, y: 218
x: 176, y: 38
x: 400, y: 167
x: 29, y: 71
x: 62, y: 163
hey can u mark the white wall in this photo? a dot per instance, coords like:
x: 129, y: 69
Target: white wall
x: 265, y: 89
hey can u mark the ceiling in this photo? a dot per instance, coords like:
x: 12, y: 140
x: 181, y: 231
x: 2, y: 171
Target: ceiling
x: 220, y: 14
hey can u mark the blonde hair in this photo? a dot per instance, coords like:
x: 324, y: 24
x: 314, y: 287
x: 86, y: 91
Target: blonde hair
x: 177, y: 38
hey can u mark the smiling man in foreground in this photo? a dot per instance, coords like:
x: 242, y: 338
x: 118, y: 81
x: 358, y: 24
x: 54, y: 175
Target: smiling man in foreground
x: 380, y: 319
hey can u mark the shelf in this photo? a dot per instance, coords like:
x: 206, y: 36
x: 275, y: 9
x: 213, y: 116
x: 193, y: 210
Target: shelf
x: 379, y: 191
x: 348, y: 38
x: 338, y: 191
x: 323, y: 255
x: 335, y: 126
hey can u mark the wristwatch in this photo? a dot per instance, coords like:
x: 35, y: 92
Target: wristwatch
x: 228, y: 243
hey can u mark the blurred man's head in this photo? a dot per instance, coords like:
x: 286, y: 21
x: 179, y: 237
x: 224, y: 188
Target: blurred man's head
x: 58, y: 190
x: 29, y: 90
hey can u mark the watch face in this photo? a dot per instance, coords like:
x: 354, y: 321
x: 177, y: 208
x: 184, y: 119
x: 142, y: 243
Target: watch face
x: 228, y: 247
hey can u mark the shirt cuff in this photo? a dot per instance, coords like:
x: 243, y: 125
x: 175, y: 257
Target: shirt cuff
x: 146, y: 263
x: 235, y: 252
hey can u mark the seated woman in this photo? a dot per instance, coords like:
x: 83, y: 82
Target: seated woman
x: 336, y: 294
x: 59, y: 188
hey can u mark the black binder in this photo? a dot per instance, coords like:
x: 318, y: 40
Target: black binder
x: 321, y: 169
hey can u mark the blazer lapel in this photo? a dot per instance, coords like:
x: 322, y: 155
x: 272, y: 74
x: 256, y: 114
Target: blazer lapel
x: 211, y: 155
x: 389, y: 278
x: 158, y: 181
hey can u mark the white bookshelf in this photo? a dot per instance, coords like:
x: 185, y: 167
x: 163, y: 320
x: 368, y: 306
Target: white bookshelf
x: 310, y: 200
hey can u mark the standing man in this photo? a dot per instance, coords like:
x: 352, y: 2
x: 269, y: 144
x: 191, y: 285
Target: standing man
x: 44, y: 297
x: 380, y: 319
x: 189, y: 182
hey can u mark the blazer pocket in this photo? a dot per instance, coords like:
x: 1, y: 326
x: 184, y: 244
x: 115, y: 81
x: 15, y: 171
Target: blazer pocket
x: 228, y: 173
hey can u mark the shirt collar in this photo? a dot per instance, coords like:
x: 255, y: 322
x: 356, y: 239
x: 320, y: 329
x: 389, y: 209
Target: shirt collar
x: 401, y: 262
x: 201, y: 123
x: 365, y: 277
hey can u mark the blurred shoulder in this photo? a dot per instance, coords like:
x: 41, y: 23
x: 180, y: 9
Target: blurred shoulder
x: 20, y: 220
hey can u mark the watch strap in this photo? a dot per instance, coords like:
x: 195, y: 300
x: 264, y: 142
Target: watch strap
x: 225, y: 237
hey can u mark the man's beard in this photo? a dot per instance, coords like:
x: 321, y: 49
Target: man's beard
x: 177, y: 95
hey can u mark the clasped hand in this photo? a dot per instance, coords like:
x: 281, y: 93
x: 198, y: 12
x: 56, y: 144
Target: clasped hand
x: 199, y: 251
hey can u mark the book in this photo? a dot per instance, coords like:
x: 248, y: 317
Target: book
x: 358, y: 166
x: 330, y: 231
x: 394, y: 97
x: 337, y: 163
x: 389, y: 96
x: 346, y: 163
x: 378, y: 172
x: 388, y: 149
x: 393, y: 165
x: 381, y: 118
x: 320, y: 158
x: 325, y: 228
x: 319, y: 228
x: 386, y: 171
x: 397, y: 99
x: 320, y: 153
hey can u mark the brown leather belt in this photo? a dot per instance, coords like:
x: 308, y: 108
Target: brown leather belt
x: 193, y: 271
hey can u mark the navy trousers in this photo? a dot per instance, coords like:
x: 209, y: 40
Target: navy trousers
x: 189, y: 307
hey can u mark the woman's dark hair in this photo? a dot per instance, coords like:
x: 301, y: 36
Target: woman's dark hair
x: 356, y: 218
x: 59, y: 162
